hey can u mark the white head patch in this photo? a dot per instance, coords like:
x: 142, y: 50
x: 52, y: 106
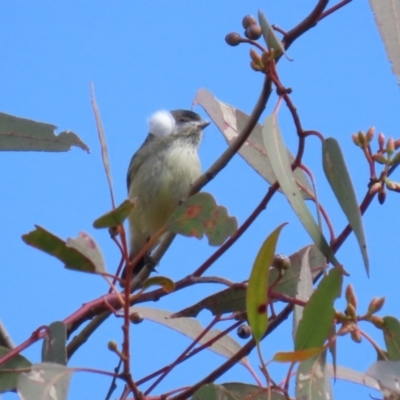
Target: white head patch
x: 161, y: 123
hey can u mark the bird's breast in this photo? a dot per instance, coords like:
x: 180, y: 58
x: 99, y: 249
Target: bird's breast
x: 161, y: 184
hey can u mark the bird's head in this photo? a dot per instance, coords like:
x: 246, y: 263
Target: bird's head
x: 179, y: 123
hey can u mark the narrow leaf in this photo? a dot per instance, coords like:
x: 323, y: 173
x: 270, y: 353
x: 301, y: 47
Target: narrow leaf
x: 103, y: 143
x: 244, y: 391
x: 53, y: 245
x: 319, y: 313
x: 387, y: 373
x: 5, y: 338
x: 270, y: 38
x: 387, y: 19
x: 351, y: 375
x: 280, y: 163
x: 200, y: 215
x: 313, y: 379
x: 45, y: 381
x: 8, y: 379
x: 391, y: 334
x: 304, y: 290
x: 297, y: 356
x: 257, y: 289
x: 166, y: 283
x: 338, y: 177
x: 20, y: 134
x: 54, y: 344
x: 115, y: 217
x: 226, y: 346
x: 231, y: 121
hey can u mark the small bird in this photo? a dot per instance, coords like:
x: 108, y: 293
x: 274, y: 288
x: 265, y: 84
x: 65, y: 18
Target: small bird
x: 161, y: 173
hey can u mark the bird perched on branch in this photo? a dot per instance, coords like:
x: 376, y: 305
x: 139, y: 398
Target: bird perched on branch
x: 161, y: 173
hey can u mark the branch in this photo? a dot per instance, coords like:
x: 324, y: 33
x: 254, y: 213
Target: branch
x: 243, y: 352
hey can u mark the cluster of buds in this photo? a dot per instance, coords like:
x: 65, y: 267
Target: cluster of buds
x: 386, y: 155
x: 252, y: 31
x: 349, y: 319
x: 386, y: 152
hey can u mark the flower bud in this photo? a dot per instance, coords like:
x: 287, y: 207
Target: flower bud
x: 112, y: 345
x: 390, y: 184
x: 255, y: 57
x: 381, y: 141
x: 393, y: 186
x: 361, y: 139
x: 356, y: 335
x: 281, y: 262
x: 396, y: 159
x: 377, y: 321
x: 135, y: 318
x: 370, y: 134
x: 253, y: 32
x: 380, y: 158
x: 375, y: 188
x: 248, y: 20
x: 397, y: 144
x: 390, y: 146
x: 354, y: 136
x: 340, y: 317
x: 351, y: 296
x: 244, y: 331
x: 351, y: 312
x: 382, y: 196
x: 233, y: 39
x: 376, y: 305
x: 255, y: 67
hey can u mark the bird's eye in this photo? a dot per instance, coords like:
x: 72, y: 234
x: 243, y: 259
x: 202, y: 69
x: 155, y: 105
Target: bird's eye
x: 182, y: 119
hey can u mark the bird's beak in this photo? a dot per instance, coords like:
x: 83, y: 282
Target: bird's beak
x: 203, y: 124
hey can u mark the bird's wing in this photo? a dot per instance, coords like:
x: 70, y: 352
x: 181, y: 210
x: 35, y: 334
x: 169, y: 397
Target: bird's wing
x: 137, y: 160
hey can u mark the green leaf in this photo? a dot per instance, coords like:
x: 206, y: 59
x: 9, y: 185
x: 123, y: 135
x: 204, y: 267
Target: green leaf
x: 53, y: 245
x: 54, y: 344
x: 115, y: 217
x: 200, y: 215
x: 277, y: 154
x: 391, y: 334
x: 45, y: 381
x: 20, y: 134
x: 257, y: 288
x: 234, y: 298
x: 313, y: 379
x: 166, y: 283
x: 8, y: 380
x: 231, y: 121
x: 87, y: 246
x: 319, y: 313
x: 338, y: 177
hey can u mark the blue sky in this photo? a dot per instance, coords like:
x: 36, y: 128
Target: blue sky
x: 144, y: 56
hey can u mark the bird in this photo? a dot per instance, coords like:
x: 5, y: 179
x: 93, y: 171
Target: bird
x: 160, y: 175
